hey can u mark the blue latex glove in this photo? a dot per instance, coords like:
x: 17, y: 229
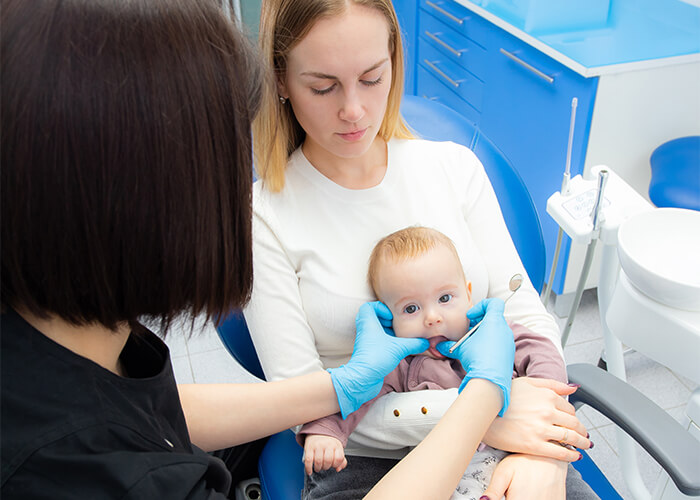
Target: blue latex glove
x: 490, y: 351
x: 375, y: 354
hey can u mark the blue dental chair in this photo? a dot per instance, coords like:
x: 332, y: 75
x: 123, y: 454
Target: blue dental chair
x: 280, y: 468
x: 675, y: 173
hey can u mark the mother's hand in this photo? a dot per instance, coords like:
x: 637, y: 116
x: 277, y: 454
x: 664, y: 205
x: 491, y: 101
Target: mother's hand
x: 526, y: 476
x: 537, y: 420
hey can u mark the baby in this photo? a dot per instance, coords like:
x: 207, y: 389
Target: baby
x: 417, y: 273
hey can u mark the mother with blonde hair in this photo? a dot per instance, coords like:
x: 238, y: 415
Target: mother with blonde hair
x: 339, y: 169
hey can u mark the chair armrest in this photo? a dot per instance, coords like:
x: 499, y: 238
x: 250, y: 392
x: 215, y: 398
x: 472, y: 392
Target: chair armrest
x: 672, y: 446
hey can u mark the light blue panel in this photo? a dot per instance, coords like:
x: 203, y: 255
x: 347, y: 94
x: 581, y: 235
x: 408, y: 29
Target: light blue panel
x: 635, y: 30
x: 547, y: 16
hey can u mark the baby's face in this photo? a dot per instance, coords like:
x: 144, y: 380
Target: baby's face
x: 427, y: 295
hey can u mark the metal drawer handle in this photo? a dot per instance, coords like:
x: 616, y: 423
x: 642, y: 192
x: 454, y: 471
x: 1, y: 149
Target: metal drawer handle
x: 536, y: 71
x: 440, y: 72
x: 445, y: 13
x: 437, y: 40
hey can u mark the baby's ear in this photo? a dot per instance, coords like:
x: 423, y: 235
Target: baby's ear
x: 469, y: 289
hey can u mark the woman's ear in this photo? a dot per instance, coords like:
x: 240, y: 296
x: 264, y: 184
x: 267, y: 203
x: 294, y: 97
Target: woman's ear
x: 282, y: 89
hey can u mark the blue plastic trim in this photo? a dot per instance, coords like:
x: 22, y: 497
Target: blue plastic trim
x: 280, y: 468
x: 235, y: 336
x: 595, y: 478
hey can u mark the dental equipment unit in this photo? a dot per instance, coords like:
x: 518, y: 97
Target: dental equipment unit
x: 648, y: 289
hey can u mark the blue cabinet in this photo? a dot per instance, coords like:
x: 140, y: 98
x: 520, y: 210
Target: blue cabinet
x: 453, y: 59
x: 526, y: 112
x: 518, y: 96
x: 407, y: 14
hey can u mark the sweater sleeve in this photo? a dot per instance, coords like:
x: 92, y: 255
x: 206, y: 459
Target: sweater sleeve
x: 485, y: 220
x: 536, y: 356
x: 283, y: 339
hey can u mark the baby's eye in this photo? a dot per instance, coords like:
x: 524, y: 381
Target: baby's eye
x: 445, y: 298
x: 410, y: 309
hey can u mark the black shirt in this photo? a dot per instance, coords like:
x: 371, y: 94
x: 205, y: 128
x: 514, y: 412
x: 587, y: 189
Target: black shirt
x: 72, y: 429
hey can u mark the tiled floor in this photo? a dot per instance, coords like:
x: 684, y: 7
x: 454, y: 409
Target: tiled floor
x: 202, y: 358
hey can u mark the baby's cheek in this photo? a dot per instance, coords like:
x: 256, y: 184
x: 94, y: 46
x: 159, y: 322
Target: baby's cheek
x: 399, y: 327
x: 461, y: 325
x: 407, y: 328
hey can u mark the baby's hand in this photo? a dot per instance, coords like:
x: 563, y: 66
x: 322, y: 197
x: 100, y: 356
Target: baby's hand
x: 322, y: 453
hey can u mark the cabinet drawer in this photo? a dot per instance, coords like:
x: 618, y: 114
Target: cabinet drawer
x: 458, y: 18
x: 460, y: 49
x: 455, y: 77
x: 430, y: 87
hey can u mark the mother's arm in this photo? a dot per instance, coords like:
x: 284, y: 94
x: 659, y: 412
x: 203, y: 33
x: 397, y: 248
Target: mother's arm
x: 537, y: 415
x: 284, y: 341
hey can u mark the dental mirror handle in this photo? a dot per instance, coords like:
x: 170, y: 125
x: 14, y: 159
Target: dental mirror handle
x: 466, y: 336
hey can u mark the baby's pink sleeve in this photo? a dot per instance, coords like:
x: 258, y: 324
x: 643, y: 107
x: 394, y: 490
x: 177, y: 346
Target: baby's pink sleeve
x: 333, y: 426
x: 536, y: 356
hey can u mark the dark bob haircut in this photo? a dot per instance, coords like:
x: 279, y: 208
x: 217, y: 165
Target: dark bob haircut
x: 126, y: 159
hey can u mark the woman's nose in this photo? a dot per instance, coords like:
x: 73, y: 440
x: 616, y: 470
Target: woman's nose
x: 352, y: 110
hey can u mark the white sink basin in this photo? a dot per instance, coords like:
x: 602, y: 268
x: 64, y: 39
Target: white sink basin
x: 659, y: 252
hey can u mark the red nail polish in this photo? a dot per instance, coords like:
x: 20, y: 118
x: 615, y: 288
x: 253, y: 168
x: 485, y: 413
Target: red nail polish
x: 588, y: 434
x: 580, y: 456
x: 591, y: 446
x: 484, y: 498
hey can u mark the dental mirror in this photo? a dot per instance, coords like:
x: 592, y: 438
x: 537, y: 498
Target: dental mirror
x: 513, y: 285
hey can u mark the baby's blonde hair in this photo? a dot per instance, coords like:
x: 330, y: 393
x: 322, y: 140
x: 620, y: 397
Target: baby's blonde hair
x: 405, y: 244
x: 276, y: 131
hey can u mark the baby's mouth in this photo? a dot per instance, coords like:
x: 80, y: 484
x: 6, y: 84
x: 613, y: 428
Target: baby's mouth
x: 432, y: 350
